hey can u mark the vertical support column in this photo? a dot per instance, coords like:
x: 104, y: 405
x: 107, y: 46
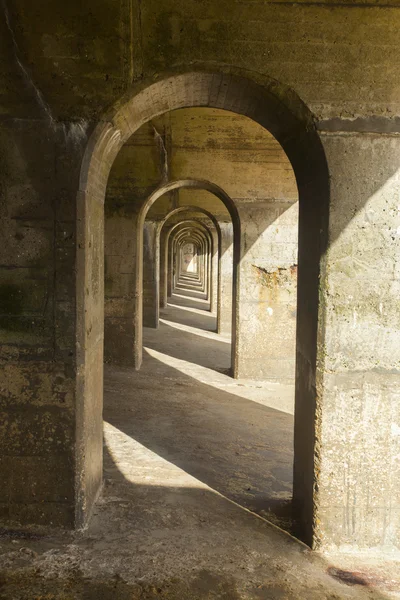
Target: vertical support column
x: 268, y: 291
x: 357, y: 447
x: 174, y: 250
x: 224, y: 320
x: 178, y: 263
x: 120, y: 302
x: 170, y: 277
x: 202, y: 259
x: 46, y: 475
x: 164, y: 267
x: 214, y: 259
x: 151, y: 275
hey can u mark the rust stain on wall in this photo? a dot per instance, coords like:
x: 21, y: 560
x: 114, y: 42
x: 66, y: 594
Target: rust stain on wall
x: 280, y: 277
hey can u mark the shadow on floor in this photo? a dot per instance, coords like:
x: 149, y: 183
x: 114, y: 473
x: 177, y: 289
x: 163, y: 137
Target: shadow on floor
x: 190, y: 347
x: 240, y: 448
x: 215, y: 548
x: 184, y: 292
x: 148, y: 541
x: 189, y: 311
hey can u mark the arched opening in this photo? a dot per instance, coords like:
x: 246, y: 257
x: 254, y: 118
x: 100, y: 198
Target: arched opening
x: 166, y: 258
x: 221, y: 195
x: 189, y: 218
x: 279, y: 111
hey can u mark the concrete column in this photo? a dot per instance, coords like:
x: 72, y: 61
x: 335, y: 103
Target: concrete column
x: 170, y: 272
x: 48, y: 476
x: 120, y: 301
x: 151, y: 275
x: 214, y: 274
x: 266, y: 325
x: 202, y: 266
x: 357, y: 448
x: 175, y: 260
x: 224, y: 317
x: 163, y: 267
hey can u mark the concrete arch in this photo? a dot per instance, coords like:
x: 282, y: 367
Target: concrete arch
x: 193, y: 208
x: 202, y: 243
x: 147, y: 290
x: 198, y: 232
x: 207, y: 213
x: 201, y: 236
x: 278, y: 109
x: 198, y: 184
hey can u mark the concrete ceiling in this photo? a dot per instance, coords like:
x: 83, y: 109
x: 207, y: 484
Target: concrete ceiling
x: 200, y: 143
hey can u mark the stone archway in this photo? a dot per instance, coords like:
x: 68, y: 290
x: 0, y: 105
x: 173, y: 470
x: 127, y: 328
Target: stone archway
x: 214, y: 221
x: 193, y: 184
x: 280, y: 111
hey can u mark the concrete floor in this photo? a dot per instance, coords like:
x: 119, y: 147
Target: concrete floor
x: 188, y: 454
x: 227, y: 434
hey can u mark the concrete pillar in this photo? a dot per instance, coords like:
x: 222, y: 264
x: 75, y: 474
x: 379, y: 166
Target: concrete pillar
x: 151, y: 275
x: 266, y: 325
x: 164, y: 267
x: 224, y: 317
x: 202, y: 266
x: 355, y: 493
x: 48, y: 476
x: 214, y: 259
x: 170, y: 272
x: 120, y: 300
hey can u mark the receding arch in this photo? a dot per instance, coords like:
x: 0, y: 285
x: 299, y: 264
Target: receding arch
x: 196, y: 184
x: 278, y: 109
x: 200, y: 210
x: 202, y: 242
x: 196, y: 230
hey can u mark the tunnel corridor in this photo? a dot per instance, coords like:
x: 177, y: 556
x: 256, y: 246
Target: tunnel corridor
x: 199, y: 361
x: 183, y: 408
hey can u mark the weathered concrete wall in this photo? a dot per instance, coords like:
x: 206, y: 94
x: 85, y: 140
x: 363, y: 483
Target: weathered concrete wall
x: 38, y: 181
x: 267, y: 291
x: 119, y: 281
x: 164, y: 266
x: 60, y: 61
x: 337, y: 56
x: 358, y: 441
x: 224, y: 313
x: 151, y: 274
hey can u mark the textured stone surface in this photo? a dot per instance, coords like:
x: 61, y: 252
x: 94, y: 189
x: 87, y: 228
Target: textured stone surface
x: 359, y: 444
x: 63, y: 66
x: 267, y: 291
x: 178, y: 515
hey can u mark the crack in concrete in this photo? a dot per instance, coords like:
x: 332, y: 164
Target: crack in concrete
x: 161, y: 144
x: 27, y: 76
x: 74, y: 132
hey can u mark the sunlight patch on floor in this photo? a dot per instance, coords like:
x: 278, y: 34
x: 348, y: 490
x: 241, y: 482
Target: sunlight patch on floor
x: 199, y: 311
x: 188, y: 296
x: 142, y: 466
x: 273, y: 394
x: 196, y: 331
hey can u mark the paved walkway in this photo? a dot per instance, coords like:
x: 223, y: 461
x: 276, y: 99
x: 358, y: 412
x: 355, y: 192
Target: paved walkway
x: 193, y: 462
